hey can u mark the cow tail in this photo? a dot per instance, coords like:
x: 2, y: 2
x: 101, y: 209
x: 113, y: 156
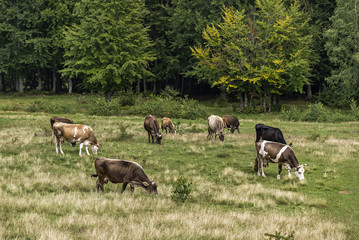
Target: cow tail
x: 94, y: 175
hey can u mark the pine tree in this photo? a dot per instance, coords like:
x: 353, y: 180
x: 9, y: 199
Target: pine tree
x: 343, y: 50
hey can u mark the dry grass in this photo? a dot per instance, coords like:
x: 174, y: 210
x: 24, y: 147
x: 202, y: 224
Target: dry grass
x: 47, y: 196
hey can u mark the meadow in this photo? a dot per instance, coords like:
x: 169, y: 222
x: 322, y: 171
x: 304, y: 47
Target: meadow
x: 44, y: 195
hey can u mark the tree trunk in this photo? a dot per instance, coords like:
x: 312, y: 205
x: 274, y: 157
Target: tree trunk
x: 182, y: 84
x: 138, y: 86
x: 264, y: 102
x: 70, y: 85
x: 39, y: 80
x: 309, y: 91
x: 274, y: 99
x: 2, y: 83
x: 108, y: 95
x: 154, y: 87
x: 54, y: 81
x: 245, y: 100
x: 20, y: 84
x: 144, y: 85
x: 240, y: 101
x: 269, y: 102
x: 224, y: 94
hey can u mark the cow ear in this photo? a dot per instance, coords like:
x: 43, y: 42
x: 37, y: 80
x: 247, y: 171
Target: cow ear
x: 145, y: 184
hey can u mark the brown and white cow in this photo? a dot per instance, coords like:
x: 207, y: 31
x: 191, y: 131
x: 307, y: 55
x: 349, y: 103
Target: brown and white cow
x: 167, y: 124
x: 216, y: 127
x: 75, y: 133
x: 121, y: 171
x: 59, y: 119
x: 153, y: 129
x: 231, y: 122
x: 278, y: 153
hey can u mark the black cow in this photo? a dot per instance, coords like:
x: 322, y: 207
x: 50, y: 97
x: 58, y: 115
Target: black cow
x: 269, y: 133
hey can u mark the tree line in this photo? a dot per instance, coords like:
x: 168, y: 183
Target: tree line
x: 245, y: 50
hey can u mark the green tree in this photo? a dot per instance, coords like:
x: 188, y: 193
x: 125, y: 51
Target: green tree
x: 343, y: 50
x: 109, y: 48
x: 262, y: 53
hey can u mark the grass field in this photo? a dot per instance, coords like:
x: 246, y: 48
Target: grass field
x: 44, y: 195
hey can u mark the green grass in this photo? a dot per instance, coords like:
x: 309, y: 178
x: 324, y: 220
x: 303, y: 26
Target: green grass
x: 46, y: 195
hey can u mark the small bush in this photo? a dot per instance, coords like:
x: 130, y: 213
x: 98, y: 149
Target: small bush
x: 354, y: 110
x: 167, y: 107
x: 316, y: 113
x: 45, y: 106
x: 279, y: 236
x: 292, y: 114
x: 181, y: 190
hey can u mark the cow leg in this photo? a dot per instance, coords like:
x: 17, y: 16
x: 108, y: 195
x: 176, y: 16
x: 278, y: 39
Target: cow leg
x: 97, y: 185
x: 238, y: 130
x: 81, y: 145
x: 124, y: 185
x: 149, y: 138
x: 259, y: 159
x: 86, y: 148
x: 132, y: 188
x: 232, y: 130
x: 57, y: 148
x: 262, y: 167
x: 279, y: 170
x: 59, y: 143
x: 256, y: 164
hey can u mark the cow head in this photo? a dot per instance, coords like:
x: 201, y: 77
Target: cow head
x: 150, y: 187
x: 299, y: 172
x: 95, y: 148
x: 158, y: 138
x: 221, y: 136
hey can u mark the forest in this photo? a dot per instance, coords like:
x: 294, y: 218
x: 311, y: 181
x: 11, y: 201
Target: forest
x: 246, y: 51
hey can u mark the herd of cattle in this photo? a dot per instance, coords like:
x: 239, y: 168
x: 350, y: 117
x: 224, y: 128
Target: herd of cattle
x: 270, y: 147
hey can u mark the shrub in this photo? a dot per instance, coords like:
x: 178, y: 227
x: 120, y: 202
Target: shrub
x: 45, y: 106
x: 169, y: 107
x: 278, y: 236
x: 316, y: 113
x: 292, y: 114
x: 354, y: 110
x: 181, y: 190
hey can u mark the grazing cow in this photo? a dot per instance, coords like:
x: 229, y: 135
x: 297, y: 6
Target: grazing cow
x: 269, y: 133
x: 60, y: 119
x: 278, y: 153
x: 153, y: 129
x: 215, y: 124
x: 231, y: 122
x: 75, y: 133
x: 120, y: 171
x: 167, y: 124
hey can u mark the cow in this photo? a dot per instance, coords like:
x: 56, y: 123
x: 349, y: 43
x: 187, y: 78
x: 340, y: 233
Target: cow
x: 153, y: 129
x: 167, y: 124
x: 60, y: 119
x: 215, y: 124
x: 75, y: 133
x: 269, y: 133
x: 278, y: 153
x: 231, y: 122
x: 121, y: 171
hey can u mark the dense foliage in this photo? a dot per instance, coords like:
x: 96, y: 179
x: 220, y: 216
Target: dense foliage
x: 281, y: 47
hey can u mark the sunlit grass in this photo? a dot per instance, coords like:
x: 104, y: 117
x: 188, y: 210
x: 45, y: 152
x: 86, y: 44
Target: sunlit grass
x: 48, y: 196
